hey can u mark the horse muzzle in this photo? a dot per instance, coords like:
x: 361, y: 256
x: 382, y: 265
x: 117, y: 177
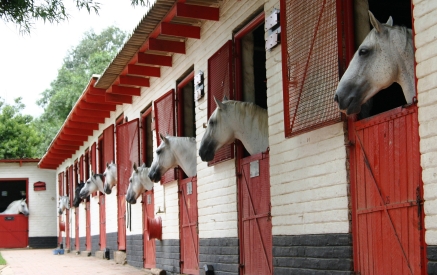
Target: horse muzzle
x: 131, y: 199
x: 154, y: 175
x: 107, y: 189
x: 83, y: 195
x: 207, y: 151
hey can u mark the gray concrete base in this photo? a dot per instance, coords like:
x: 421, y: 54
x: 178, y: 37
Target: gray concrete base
x: 85, y: 253
x: 120, y: 257
x: 100, y: 254
x: 77, y: 252
x: 154, y: 271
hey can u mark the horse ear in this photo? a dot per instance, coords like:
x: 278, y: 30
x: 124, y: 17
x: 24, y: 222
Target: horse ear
x: 375, y: 23
x: 220, y: 105
x: 163, y: 138
x: 225, y: 98
x: 135, y: 167
x: 390, y: 21
x: 92, y: 173
x: 107, y: 165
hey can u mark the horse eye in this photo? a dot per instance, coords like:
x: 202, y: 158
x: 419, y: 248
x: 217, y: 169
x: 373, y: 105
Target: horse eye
x: 363, y: 52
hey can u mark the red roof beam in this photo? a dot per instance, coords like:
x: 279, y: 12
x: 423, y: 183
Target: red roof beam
x: 120, y: 90
x: 166, y: 46
x: 96, y: 91
x: 197, y: 12
x: 72, y: 137
x: 77, y: 132
x: 69, y: 142
x: 59, y: 157
x: 96, y: 106
x: 97, y: 99
x: 154, y: 59
x: 84, y: 126
x: 86, y: 119
x: 91, y: 113
x: 143, y: 70
x: 180, y: 30
x: 119, y: 99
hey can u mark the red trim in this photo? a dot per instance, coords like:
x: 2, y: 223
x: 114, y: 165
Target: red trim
x: 143, y: 134
x: 78, y: 132
x: 85, y: 126
x: 19, y: 160
x: 197, y: 12
x: 95, y: 106
x: 119, y: 99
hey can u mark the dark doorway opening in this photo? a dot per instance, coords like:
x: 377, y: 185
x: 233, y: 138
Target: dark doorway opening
x: 11, y: 190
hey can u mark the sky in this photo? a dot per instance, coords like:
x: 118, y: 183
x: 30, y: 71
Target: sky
x: 30, y: 62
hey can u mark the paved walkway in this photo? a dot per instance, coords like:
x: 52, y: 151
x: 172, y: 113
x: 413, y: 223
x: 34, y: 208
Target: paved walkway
x: 43, y: 262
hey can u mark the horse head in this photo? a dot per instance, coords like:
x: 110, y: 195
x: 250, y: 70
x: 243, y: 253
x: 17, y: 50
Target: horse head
x: 235, y: 120
x: 218, y: 132
x: 93, y: 184
x: 139, y: 183
x: 174, y: 151
x: 23, y: 207
x: 63, y: 203
x: 385, y: 56
x: 110, y: 175
x: 77, y: 200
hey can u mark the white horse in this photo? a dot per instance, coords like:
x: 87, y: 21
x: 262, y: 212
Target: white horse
x: 93, y: 184
x: 385, y: 56
x: 235, y: 120
x: 63, y: 203
x: 174, y: 151
x: 110, y: 175
x: 139, y: 182
x: 16, y: 207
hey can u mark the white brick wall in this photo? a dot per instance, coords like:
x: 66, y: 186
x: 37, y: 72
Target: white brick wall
x: 308, y: 175
x: 425, y: 25
x: 42, y: 204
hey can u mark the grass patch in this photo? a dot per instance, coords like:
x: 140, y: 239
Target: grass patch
x: 2, y: 261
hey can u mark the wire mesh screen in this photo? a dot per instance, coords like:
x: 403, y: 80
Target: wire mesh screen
x: 60, y: 183
x: 164, y: 108
x: 93, y: 158
x: 311, y: 51
x: 81, y: 169
x: 71, y: 183
x: 108, y: 144
x: 220, y: 84
x: 128, y: 152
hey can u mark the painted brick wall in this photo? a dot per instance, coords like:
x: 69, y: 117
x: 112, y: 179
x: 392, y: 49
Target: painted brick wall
x: 42, y: 204
x: 308, y: 172
x: 95, y: 222
x: 425, y: 26
x: 134, y: 250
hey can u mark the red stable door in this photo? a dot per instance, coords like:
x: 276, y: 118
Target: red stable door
x: 14, y: 231
x: 76, y: 225
x: 189, y: 225
x: 67, y: 228
x: 255, y: 219
x: 386, y: 190
x: 88, y: 226
x: 102, y: 213
x: 149, y: 244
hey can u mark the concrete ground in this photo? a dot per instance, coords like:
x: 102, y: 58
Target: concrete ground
x: 43, y: 262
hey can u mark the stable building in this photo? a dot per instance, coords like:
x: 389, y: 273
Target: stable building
x: 330, y: 194
x: 22, y: 179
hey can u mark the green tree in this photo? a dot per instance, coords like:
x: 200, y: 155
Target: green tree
x: 24, y: 13
x: 91, y: 56
x: 18, y: 137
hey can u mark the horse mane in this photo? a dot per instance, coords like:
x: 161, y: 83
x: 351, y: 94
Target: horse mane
x: 11, y: 204
x: 181, y: 139
x: 248, y: 109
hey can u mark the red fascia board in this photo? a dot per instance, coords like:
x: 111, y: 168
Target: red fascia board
x: 81, y: 125
x: 88, y: 119
x: 134, y: 81
x: 64, y: 147
x: 180, y: 30
x: 197, y: 12
x: 18, y: 160
x: 119, y: 99
x: 48, y: 166
x: 91, y: 113
x: 154, y: 59
x: 49, y: 160
x: 59, y: 149
x: 120, y: 90
x: 97, y: 99
x: 143, y: 70
x: 77, y: 132
x: 58, y: 157
x: 96, y: 106
x: 166, y: 46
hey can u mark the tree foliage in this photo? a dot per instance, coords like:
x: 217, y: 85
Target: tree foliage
x: 91, y: 56
x: 18, y: 137
x: 24, y: 13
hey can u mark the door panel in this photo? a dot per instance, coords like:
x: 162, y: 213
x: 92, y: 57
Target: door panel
x: 149, y: 244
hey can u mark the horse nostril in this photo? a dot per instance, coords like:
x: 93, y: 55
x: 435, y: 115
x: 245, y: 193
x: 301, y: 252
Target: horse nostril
x: 336, y: 98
